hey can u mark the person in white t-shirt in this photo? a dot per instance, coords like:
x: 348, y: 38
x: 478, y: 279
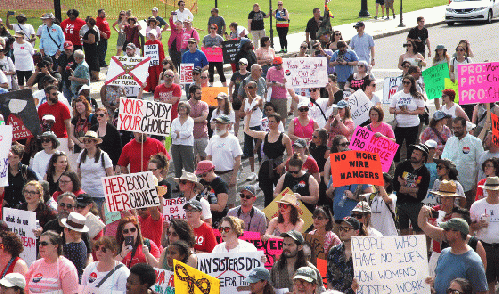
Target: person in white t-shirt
x: 362, y: 212
x: 182, y: 13
x: 230, y: 229
x: 383, y: 208
x: 26, y: 29
x: 23, y: 54
x: 39, y: 162
x: 7, y: 67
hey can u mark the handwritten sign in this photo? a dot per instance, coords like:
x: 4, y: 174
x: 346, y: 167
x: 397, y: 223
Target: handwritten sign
x: 448, y: 84
x: 322, y: 267
x: 495, y: 129
x: 390, y: 264
x: 478, y: 82
x: 230, y: 268
x: 174, y: 208
x: 19, y: 111
x: 272, y: 248
x: 213, y: 54
x: 229, y: 50
x: 305, y: 72
x: 434, y: 80
x: 317, y: 247
x: 365, y: 140
x: 145, y: 116
x: 127, y: 71
x: 23, y: 223
x: 186, y: 73
x: 5, y: 143
x: 390, y: 87
x: 272, y: 210
x: 192, y: 281
x: 130, y: 191
x: 356, y: 167
x: 359, y: 107
x: 152, y: 51
x: 164, y: 282
x: 209, y: 94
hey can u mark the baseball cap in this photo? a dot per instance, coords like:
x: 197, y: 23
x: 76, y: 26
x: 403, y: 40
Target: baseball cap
x: 457, y: 224
x: 84, y: 199
x: 68, y: 45
x: 250, y: 189
x: 362, y: 207
x: 303, y: 104
x: 353, y: 222
x: 204, y: 166
x: 223, y: 119
x: 439, y: 115
x: 295, y: 235
x: 194, y: 204
x: 50, y: 117
x: 197, y: 69
x: 243, y: 60
x: 258, y: 274
x: 300, y: 142
x: 359, y: 24
x: 12, y: 280
x: 191, y: 40
x: 305, y: 273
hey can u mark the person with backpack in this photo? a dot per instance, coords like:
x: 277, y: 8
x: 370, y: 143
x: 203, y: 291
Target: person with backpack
x: 282, y: 25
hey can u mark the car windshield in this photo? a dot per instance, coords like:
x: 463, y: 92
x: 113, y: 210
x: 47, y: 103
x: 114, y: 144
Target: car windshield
x: 465, y: 0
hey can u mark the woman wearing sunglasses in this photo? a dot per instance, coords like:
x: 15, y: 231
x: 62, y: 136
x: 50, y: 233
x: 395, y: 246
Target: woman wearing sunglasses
x: 339, y: 121
x: 460, y: 58
x: 214, y: 40
x: 302, y: 126
x: 336, y: 37
x: 323, y: 226
x: 109, y: 135
x: 134, y: 248
x: 178, y: 230
x: 411, y: 55
x: 362, y: 212
x: 58, y: 164
x: 33, y: 195
x: 490, y: 168
x: 49, y: 144
x: 357, y: 79
x: 52, y: 272
x: 460, y: 286
x: 287, y: 219
x: 10, y: 248
x: 231, y: 229
x: 106, y: 274
x: 406, y: 106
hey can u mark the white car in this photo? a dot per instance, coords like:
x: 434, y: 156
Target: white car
x: 471, y: 10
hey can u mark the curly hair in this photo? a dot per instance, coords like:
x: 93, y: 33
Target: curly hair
x: 236, y: 224
x: 11, y: 243
x: 74, y: 178
x: 293, y: 216
x: 183, y: 249
x: 184, y: 231
x: 37, y: 186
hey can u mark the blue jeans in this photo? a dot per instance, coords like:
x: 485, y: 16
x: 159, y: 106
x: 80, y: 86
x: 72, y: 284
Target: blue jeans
x: 102, y: 48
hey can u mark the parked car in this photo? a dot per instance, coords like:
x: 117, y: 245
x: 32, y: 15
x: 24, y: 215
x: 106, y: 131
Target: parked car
x: 471, y: 10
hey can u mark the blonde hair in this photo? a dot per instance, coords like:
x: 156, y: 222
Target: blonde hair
x: 236, y: 224
x: 37, y: 186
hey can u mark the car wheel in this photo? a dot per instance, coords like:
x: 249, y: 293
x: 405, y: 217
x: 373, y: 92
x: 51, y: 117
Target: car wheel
x: 450, y: 23
x: 489, y: 17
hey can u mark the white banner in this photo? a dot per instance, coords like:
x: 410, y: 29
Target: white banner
x: 23, y: 223
x: 359, y: 106
x: 174, y: 208
x: 5, y: 143
x: 145, y: 116
x: 164, y: 282
x: 152, y: 51
x: 305, y: 72
x: 390, y: 87
x: 127, y: 71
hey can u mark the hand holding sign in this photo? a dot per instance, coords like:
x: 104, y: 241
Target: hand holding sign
x: 192, y: 281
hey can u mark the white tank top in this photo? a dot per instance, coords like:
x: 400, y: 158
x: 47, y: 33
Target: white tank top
x: 256, y: 116
x: 451, y: 111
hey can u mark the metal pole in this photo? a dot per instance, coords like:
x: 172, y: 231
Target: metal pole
x: 363, y: 9
x: 57, y: 9
x: 401, y: 17
x: 271, y: 31
x: 216, y: 3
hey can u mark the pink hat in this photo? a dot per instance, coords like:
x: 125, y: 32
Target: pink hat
x: 204, y: 166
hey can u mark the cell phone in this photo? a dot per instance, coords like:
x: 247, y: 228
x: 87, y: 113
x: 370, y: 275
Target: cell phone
x: 129, y: 241
x: 11, y: 13
x: 434, y: 214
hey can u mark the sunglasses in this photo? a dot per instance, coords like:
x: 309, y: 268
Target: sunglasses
x: 294, y: 172
x: 131, y: 230
x: 318, y: 218
x: 195, y: 73
x: 406, y: 82
x: 46, y: 140
x: 80, y: 206
x: 174, y: 234
x: 101, y: 114
x: 408, y: 45
x: 31, y: 192
x: 251, y: 88
x: 279, y: 4
x: 88, y: 141
x: 314, y: 89
x: 344, y: 144
x: 373, y: 85
x: 283, y: 205
x: 452, y: 291
x: 357, y: 216
x: 224, y: 229
x: 68, y: 206
x: 213, y: 28
x: 344, y: 229
x: 101, y: 248
x: 183, y: 182
x: 245, y: 196
x: 43, y: 243
x: 303, y: 109
x: 169, y: 76
x: 303, y: 47
x: 338, y: 34
x: 203, y: 77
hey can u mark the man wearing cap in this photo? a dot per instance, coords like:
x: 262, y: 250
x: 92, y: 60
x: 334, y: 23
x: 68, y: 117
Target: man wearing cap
x: 254, y: 219
x: 52, y: 37
x: 104, y: 33
x: 66, y: 64
x: 275, y: 79
x: 169, y: 92
x: 419, y: 34
x: 14, y: 281
x: 344, y: 59
x: 215, y: 18
x: 131, y: 153
x: 39, y: 162
x: 203, y: 232
x: 26, y: 29
x: 411, y: 181
x: 71, y: 27
x: 313, y: 25
x: 291, y: 258
x: 464, y: 150
x: 74, y: 248
x: 339, y: 259
x: 459, y: 260
x: 235, y: 82
x: 305, y: 281
x: 485, y: 225
x: 259, y: 281
x: 194, y: 55
x: 190, y: 188
x: 363, y: 44
x: 199, y: 113
x: 491, y: 152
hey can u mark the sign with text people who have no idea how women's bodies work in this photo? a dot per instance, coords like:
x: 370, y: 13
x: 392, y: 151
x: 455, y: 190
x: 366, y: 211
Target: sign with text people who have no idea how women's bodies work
x: 130, y: 191
x: 145, y: 116
x: 127, y: 71
x: 305, y: 72
x: 478, y: 82
x: 356, y: 167
x: 390, y: 264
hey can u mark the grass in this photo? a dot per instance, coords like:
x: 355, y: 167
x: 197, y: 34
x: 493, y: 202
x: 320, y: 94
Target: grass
x: 237, y: 10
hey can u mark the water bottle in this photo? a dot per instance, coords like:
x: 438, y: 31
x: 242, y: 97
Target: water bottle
x: 37, y: 225
x: 485, y: 217
x: 343, y: 200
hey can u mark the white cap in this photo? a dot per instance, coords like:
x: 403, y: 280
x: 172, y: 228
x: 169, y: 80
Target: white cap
x: 12, y: 280
x: 431, y: 143
x: 470, y: 126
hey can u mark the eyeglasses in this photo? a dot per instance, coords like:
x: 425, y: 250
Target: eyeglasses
x: 294, y: 172
x: 68, y: 206
x: 174, y: 234
x: 314, y: 89
x: 406, y: 82
x: 204, y: 77
x: 195, y: 73
x: 303, y: 109
x: 357, y: 216
x: 283, y: 205
x: 344, y: 229
x: 279, y: 4
x: 224, y: 229
x: 337, y: 34
x: 169, y: 76
x: 183, y: 182
x: 303, y: 47
x: 440, y: 166
x: 213, y: 28
x: 251, y: 88
x: 345, y: 144
x: 408, y: 45
x: 43, y: 243
x: 101, y: 114
x: 318, y: 217
x: 85, y: 141
x: 101, y: 248
x: 131, y: 230
x: 245, y: 196
x: 46, y: 140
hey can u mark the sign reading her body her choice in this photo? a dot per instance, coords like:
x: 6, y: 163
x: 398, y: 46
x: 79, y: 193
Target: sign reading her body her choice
x: 229, y: 50
x: 152, y: 51
x: 230, y: 268
x: 23, y: 223
x: 145, y: 116
x: 127, y: 71
x: 390, y: 264
x: 130, y: 191
x: 356, y: 167
x: 189, y: 280
x: 434, y: 80
x: 19, y: 111
x: 390, y: 87
x: 478, y: 82
x: 305, y: 72
x: 5, y: 143
x: 359, y: 105
x: 186, y: 73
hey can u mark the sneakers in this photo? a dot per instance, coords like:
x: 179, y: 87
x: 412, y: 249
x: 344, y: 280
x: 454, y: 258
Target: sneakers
x: 387, y: 18
x: 251, y: 177
x: 394, y: 16
x: 376, y: 17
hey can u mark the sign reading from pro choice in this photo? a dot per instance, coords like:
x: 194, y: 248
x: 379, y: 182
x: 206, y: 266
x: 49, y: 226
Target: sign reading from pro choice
x: 390, y: 264
x: 305, y: 72
x: 478, y: 82
x: 130, y: 191
x: 356, y: 167
x: 365, y: 140
x: 145, y: 116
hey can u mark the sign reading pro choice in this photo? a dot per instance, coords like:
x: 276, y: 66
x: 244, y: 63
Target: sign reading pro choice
x: 478, y: 82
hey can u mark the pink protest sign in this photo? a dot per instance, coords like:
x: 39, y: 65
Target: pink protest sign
x: 272, y: 247
x: 478, y: 82
x: 365, y: 140
x: 213, y: 54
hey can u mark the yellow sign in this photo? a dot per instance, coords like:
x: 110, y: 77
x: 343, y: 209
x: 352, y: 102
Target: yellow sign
x: 272, y: 210
x: 209, y: 94
x: 189, y: 280
x: 448, y: 84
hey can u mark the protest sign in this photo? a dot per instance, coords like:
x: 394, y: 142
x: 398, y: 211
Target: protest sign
x: 365, y: 140
x: 230, y: 268
x: 448, y: 84
x: 434, y: 80
x: 390, y: 264
x: 164, y: 282
x: 127, y: 71
x: 229, y: 50
x: 130, y: 191
x: 356, y: 167
x: 111, y: 216
x: 209, y: 94
x: 174, y: 208
x: 192, y: 281
x: 272, y: 248
x: 272, y: 210
x: 478, y: 82
x: 152, y: 51
x: 322, y: 267
x: 5, y: 143
x: 23, y: 223
x: 495, y: 129
x: 359, y: 107
x: 19, y: 111
x: 390, y: 87
x: 316, y: 246
x: 213, y: 54
x: 305, y: 72
x: 186, y: 73
x: 145, y: 116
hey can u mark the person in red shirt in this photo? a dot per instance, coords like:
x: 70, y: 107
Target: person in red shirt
x: 168, y: 92
x: 71, y: 27
x: 151, y: 224
x: 132, y: 150
x: 105, y: 34
x: 205, y: 239
x: 155, y: 69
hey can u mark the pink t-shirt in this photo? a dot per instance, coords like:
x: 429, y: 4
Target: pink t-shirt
x: 384, y: 128
x: 47, y: 277
x: 273, y: 74
x: 304, y: 132
x: 188, y: 34
x: 197, y: 110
